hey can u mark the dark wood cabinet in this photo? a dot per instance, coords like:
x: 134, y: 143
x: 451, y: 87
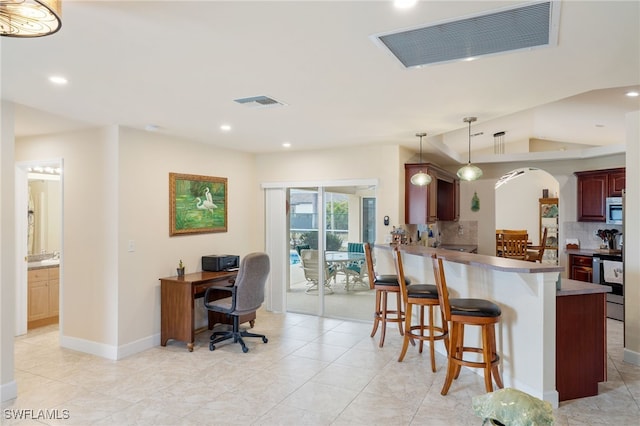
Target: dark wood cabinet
x: 593, y: 189
x: 581, y: 345
x: 439, y: 200
x: 580, y: 267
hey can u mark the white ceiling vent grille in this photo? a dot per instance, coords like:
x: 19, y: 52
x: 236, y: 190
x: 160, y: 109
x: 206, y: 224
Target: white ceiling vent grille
x: 259, y: 102
x: 530, y: 26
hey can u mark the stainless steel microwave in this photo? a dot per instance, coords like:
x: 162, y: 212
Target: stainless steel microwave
x: 614, y: 210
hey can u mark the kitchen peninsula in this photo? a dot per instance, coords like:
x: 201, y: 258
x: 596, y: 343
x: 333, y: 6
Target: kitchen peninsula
x: 526, y: 293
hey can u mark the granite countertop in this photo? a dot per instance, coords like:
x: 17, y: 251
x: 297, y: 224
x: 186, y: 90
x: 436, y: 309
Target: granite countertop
x: 466, y: 248
x: 478, y: 260
x: 574, y: 288
x: 591, y: 252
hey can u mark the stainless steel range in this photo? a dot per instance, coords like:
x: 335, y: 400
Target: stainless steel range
x: 608, y: 269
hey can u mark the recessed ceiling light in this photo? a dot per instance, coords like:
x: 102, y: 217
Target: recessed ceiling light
x: 225, y: 127
x: 57, y: 79
x: 404, y: 4
x: 599, y: 125
x: 151, y: 127
x: 286, y: 145
x: 632, y: 94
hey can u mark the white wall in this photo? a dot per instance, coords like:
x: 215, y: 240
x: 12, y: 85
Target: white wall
x: 116, y: 188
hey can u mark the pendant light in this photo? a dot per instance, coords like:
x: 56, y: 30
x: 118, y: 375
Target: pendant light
x: 30, y: 18
x: 420, y: 178
x: 469, y: 172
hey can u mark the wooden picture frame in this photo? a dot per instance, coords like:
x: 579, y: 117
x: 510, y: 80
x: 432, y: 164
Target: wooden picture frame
x: 197, y: 204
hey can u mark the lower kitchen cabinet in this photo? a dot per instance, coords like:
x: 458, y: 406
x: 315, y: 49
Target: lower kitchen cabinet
x: 581, y: 267
x: 43, y: 296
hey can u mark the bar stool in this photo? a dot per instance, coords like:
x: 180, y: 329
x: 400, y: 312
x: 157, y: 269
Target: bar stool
x: 383, y: 285
x: 422, y: 295
x: 461, y: 312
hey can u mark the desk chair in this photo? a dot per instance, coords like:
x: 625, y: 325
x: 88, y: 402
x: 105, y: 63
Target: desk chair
x: 420, y: 295
x: 247, y: 295
x: 460, y: 313
x: 383, y: 285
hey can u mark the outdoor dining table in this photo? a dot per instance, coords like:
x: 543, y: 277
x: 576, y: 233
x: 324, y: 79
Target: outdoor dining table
x: 341, y: 259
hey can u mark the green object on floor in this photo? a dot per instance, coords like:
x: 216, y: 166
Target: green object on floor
x: 512, y: 407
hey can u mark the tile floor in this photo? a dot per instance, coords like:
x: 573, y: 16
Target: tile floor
x: 313, y: 371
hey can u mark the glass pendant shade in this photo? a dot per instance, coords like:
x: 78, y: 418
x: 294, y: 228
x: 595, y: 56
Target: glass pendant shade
x: 420, y: 179
x: 30, y: 18
x: 469, y: 172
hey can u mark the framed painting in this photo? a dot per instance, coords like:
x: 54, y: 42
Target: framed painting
x: 197, y: 204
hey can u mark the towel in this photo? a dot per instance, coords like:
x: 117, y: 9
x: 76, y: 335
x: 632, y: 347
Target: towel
x: 612, y: 271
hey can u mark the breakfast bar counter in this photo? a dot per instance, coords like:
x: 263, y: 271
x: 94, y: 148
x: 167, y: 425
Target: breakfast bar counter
x: 526, y: 293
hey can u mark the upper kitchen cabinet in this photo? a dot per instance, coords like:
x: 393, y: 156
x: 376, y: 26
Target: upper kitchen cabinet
x: 593, y: 189
x: 439, y: 200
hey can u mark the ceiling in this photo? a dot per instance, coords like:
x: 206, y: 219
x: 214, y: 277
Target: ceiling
x: 180, y: 65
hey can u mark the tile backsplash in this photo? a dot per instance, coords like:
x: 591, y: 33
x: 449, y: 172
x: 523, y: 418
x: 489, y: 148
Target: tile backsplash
x: 585, y: 232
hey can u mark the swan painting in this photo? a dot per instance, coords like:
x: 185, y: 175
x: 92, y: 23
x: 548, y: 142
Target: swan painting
x: 205, y: 205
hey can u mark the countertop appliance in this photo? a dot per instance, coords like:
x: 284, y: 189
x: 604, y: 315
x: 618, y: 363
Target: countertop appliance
x: 220, y: 262
x: 608, y: 269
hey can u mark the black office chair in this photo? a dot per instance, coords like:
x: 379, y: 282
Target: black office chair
x: 247, y: 295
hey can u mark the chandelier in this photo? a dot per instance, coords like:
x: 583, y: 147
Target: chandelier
x: 30, y: 18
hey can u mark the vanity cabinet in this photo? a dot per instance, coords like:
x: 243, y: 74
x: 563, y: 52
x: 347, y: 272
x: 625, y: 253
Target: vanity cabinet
x: 594, y: 187
x: 580, y: 267
x: 43, y: 286
x: 439, y: 200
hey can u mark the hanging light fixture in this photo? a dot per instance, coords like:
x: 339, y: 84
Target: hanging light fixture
x: 469, y: 172
x: 420, y: 178
x: 30, y: 18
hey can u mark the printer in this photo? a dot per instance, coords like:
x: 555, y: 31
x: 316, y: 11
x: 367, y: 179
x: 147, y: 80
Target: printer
x: 220, y: 262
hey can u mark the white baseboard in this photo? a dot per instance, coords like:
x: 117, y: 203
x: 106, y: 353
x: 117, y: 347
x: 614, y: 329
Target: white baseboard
x: 8, y: 391
x: 631, y: 357
x: 110, y: 351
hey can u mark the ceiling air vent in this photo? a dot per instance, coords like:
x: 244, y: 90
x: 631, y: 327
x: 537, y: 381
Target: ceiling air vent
x: 259, y: 102
x: 505, y: 30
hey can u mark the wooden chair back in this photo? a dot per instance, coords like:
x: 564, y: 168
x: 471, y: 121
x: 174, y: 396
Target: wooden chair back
x: 397, y: 260
x: 500, y: 233
x: 514, y: 246
x: 368, y: 258
x: 535, y: 253
x: 441, y: 285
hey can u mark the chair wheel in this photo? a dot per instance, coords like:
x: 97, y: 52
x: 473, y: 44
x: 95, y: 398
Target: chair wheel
x: 245, y: 349
x: 211, y: 346
x: 265, y: 340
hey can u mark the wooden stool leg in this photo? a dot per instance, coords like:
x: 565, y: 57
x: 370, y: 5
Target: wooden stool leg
x: 451, y: 365
x: 407, y: 332
x: 399, y: 314
x: 383, y: 319
x: 432, y: 351
x: 376, y: 314
x: 487, y: 356
x: 494, y: 353
x: 459, y: 345
x: 421, y: 328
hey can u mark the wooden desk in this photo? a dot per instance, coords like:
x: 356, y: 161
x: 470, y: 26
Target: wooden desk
x: 177, y: 303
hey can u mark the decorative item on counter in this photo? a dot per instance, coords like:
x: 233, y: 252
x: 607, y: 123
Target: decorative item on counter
x: 398, y: 236
x: 545, y: 193
x: 572, y: 243
x: 180, y: 269
x: 608, y: 237
x: 475, y: 202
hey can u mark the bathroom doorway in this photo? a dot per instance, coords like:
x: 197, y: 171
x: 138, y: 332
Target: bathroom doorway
x: 39, y: 210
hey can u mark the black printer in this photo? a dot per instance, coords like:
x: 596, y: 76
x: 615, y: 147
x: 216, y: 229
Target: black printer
x: 220, y: 262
